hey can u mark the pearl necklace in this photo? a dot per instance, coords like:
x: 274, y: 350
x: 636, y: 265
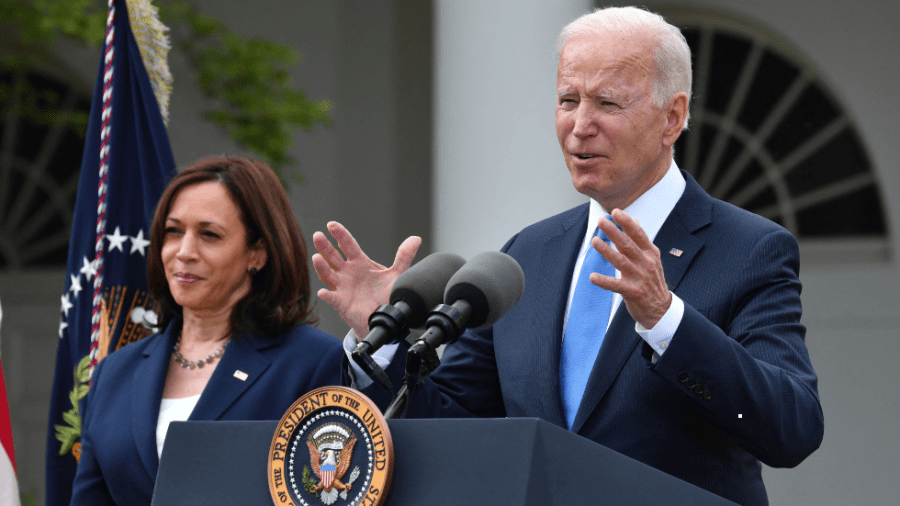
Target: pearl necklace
x: 198, y: 364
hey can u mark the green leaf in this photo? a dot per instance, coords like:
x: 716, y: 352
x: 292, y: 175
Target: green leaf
x: 73, y: 398
x: 248, y: 80
x: 67, y: 436
x: 71, y: 417
x: 82, y: 371
x: 81, y: 391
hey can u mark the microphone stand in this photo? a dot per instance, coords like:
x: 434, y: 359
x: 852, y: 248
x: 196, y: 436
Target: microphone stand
x: 444, y: 324
x: 389, y: 321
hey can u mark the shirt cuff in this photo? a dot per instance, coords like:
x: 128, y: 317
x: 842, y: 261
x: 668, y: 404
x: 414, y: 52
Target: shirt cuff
x: 382, y: 357
x: 661, y: 334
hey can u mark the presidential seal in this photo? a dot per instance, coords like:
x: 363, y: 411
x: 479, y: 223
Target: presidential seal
x: 331, y: 447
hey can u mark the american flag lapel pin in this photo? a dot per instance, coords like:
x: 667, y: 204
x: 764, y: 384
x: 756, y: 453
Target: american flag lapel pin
x: 241, y: 375
x: 675, y: 252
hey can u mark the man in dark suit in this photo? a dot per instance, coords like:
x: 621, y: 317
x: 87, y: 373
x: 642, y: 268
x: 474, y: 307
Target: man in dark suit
x: 678, y: 342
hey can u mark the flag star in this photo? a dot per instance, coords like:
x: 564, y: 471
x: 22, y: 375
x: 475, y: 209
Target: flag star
x: 62, y: 326
x: 76, y: 284
x: 138, y: 243
x: 116, y: 240
x: 66, y: 305
x: 88, y: 269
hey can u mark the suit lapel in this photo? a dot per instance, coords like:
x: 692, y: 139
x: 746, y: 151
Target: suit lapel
x: 240, y: 366
x: 676, y: 240
x: 558, y: 257
x: 678, y: 247
x: 146, y: 396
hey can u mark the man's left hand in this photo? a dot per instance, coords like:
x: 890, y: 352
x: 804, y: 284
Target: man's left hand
x: 642, y: 284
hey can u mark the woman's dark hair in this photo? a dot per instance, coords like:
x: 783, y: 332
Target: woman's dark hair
x: 279, y: 293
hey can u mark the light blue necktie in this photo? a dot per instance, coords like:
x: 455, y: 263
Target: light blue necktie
x: 585, y: 329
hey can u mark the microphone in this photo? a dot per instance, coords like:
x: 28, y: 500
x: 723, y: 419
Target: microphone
x: 481, y: 292
x: 414, y: 292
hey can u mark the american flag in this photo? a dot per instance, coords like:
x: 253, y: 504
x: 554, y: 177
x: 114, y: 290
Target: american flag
x: 9, y: 485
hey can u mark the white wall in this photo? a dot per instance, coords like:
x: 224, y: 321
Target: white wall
x: 497, y: 165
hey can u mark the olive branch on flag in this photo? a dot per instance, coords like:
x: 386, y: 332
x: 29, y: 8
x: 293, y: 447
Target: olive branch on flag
x: 68, y: 434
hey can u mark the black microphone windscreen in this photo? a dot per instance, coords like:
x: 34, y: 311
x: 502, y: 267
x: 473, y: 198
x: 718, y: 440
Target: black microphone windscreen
x: 422, y: 285
x: 492, y: 282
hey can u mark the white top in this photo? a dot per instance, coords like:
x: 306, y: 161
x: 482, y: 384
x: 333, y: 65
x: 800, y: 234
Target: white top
x: 172, y: 410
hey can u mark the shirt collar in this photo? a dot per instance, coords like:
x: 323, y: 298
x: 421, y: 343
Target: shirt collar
x: 650, y: 209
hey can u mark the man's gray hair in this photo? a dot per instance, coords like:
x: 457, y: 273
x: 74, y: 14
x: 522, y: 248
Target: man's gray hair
x: 672, y: 55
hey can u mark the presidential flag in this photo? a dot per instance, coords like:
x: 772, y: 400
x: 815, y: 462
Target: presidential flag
x: 125, y: 165
x: 9, y: 486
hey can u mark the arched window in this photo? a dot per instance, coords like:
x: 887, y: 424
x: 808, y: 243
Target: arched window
x: 40, y: 158
x: 768, y: 135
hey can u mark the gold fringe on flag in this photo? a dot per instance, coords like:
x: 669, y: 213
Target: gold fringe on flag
x: 153, y: 42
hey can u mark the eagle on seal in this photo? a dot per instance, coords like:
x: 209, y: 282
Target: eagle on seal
x: 330, y: 465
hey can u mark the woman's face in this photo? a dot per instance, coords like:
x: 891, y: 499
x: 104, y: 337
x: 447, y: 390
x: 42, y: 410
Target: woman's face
x: 205, y: 252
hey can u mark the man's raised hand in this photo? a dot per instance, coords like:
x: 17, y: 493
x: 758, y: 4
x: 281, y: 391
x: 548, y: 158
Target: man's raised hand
x: 358, y: 285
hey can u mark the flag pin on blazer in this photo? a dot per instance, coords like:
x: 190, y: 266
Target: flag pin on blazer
x: 675, y: 252
x: 241, y: 375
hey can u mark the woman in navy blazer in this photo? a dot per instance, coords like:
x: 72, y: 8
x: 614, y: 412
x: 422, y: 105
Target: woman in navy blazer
x: 227, y: 264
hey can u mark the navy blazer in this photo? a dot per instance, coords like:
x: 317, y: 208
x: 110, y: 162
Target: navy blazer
x: 119, y: 461
x: 734, y: 388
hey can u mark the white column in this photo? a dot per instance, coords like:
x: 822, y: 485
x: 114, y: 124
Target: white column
x: 498, y: 165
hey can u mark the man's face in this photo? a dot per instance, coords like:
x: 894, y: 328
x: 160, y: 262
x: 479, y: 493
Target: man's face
x: 611, y: 133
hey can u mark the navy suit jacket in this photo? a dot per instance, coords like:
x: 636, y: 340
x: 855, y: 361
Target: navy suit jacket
x: 734, y: 387
x: 119, y: 461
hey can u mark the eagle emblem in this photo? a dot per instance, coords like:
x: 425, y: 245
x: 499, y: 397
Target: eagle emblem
x: 351, y: 455
x: 330, y: 452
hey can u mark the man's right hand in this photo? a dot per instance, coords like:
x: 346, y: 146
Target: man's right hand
x: 358, y: 285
